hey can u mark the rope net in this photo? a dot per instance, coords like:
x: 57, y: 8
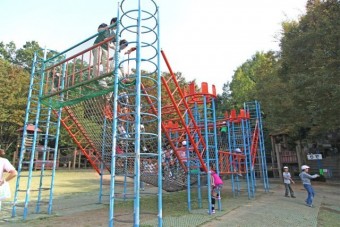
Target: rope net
x: 84, y: 87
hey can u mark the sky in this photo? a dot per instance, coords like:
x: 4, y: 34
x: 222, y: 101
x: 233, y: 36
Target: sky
x: 204, y: 40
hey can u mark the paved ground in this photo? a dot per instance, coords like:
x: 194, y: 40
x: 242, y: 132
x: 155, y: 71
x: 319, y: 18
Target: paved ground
x: 273, y: 209
x: 267, y: 209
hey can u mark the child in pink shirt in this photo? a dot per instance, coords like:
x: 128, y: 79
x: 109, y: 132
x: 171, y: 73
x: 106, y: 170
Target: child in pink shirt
x: 216, y: 186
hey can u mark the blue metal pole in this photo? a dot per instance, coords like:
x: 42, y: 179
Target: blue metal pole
x: 248, y: 137
x: 262, y: 149
x: 247, y: 159
x: 188, y: 167
x: 23, y: 141
x: 57, y: 141
x: 207, y: 153
x: 216, y: 147
x: 114, y: 131
x: 199, y: 185
x: 104, y: 145
x: 230, y: 157
x: 35, y: 138
x: 42, y: 171
x: 137, y: 125
x: 159, y: 127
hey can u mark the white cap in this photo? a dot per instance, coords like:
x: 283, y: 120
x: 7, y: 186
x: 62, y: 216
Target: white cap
x: 184, y: 142
x: 285, y: 167
x: 238, y: 150
x: 304, y: 167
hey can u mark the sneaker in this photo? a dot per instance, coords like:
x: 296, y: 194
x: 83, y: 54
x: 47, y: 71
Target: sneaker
x: 293, y: 196
x: 240, y: 175
x: 309, y: 205
x: 286, y: 195
x: 212, y: 212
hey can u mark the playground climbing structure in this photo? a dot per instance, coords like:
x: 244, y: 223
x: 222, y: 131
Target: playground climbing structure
x: 126, y: 118
x: 104, y: 105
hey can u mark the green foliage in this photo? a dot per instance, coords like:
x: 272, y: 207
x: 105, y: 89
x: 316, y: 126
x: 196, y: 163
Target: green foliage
x: 250, y: 79
x: 8, y: 136
x: 224, y: 101
x: 310, y: 67
x: 24, y: 55
x: 13, y: 94
x: 298, y: 88
x: 15, y: 67
x: 7, y: 51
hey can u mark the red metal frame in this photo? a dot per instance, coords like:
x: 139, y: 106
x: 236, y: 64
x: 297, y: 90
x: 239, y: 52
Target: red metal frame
x: 182, y: 107
x: 238, y: 163
x: 254, y: 143
x: 79, y: 137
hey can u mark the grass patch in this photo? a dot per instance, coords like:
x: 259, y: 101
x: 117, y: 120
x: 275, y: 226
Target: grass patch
x: 328, y: 217
x: 66, y: 182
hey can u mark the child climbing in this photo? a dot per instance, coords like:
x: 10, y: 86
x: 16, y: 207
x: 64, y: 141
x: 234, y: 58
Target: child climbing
x: 216, y: 185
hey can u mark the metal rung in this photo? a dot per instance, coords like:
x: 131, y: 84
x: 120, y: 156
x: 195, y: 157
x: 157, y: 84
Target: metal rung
x: 25, y: 162
x: 47, y: 175
x: 45, y: 189
x: 34, y: 190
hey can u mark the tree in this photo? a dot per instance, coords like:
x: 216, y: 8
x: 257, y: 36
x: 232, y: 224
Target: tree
x: 13, y: 94
x: 8, y: 135
x: 310, y: 67
x: 224, y: 101
x: 250, y: 78
x: 24, y: 55
x: 7, y: 51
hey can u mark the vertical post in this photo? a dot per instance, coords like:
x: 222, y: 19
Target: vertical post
x: 298, y: 153
x: 278, y: 151
x: 58, y: 159
x: 74, y: 158
x: 79, y: 159
x: 15, y: 155
x: 273, y: 155
x: 103, y: 160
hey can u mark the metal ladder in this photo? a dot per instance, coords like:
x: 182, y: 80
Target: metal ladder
x: 38, y: 149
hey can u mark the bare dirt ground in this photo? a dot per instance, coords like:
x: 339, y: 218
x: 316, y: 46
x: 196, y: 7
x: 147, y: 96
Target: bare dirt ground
x: 77, y: 205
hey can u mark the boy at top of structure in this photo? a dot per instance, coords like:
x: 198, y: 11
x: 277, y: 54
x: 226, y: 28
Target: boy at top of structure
x: 101, y: 53
x: 287, y: 179
x: 123, y: 43
x: 223, y: 131
x: 113, y: 29
x: 216, y: 184
x: 305, y: 178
